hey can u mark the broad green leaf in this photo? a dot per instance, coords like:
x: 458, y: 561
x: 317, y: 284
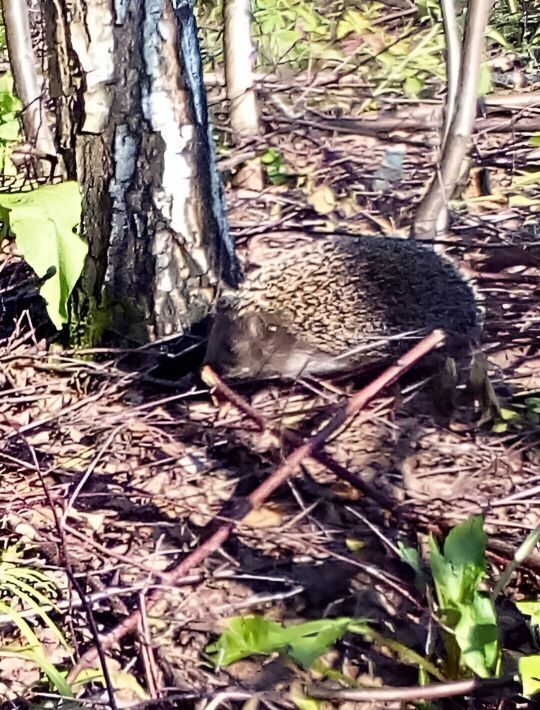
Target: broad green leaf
x: 9, y: 130
x: 310, y: 640
x: 44, y: 223
x: 494, y: 35
x: 459, y: 570
x: 531, y: 609
x: 529, y: 671
x: 477, y: 635
x: 251, y: 635
x: 312, y: 21
x: 245, y: 636
x: 508, y: 415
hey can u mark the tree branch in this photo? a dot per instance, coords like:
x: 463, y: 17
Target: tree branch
x: 23, y: 68
x: 432, y: 214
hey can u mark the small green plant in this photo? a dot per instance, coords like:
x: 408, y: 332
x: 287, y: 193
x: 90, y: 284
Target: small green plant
x: 275, y: 166
x: 469, y: 614
x: 470, y: 617
x: 470, y: 630
x: 44, y: 223
x: 522, y: 414
x: 305, y: 643
x: 25, y: 589
x: 469, y: 624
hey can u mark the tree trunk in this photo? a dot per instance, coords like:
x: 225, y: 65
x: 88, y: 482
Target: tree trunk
x: 238, y: 50
x: 132, y: 127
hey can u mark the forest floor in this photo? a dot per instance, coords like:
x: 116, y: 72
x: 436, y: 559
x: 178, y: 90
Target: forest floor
x: 111, y: 478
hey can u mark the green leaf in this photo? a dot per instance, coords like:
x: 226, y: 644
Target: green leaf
x: 499, y: 428
x: 457, y: 573
x: 9, y: 130
x: 526, y: 178
x: 533, y: 404
x: 413, y: 86
x: 477, y: 635
x: 531, y: 609
x: 251, y: 635
x: 485, y: 84
x: 494, y: 35
x: 310, y: 640
x: 508, y: 415
x: 463, y: 563
x: 352, y: 21
x: 529, y: 671
x: 44, y: 223
x: 244, y: 636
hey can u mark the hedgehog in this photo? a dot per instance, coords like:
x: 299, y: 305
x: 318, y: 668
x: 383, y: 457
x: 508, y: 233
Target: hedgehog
x: 338, y: 303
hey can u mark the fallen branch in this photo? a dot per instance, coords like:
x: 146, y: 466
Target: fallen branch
x: 262, y: 492
x: 433, y: 691
x: 214, y: 381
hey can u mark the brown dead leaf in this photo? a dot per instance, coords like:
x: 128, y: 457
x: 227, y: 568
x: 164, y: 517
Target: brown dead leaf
x: 323, y: 200
x: 156, y: 484
x: 76, y: 435
x: 264, y: 517
x: 26, y: 531
x: 342, y: 489
x: 17, y: 676
x: 94, y: 520
x: 54, y: 405
x: 38, y: 438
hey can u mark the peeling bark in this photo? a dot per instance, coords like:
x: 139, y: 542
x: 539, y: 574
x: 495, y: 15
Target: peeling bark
x: 133, y: 129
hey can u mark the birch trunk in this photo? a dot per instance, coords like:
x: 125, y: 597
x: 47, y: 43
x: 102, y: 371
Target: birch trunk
x: 132, y: 128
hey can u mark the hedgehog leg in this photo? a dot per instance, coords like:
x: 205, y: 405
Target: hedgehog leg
x: 481, y: 389
x: 444, y: 387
